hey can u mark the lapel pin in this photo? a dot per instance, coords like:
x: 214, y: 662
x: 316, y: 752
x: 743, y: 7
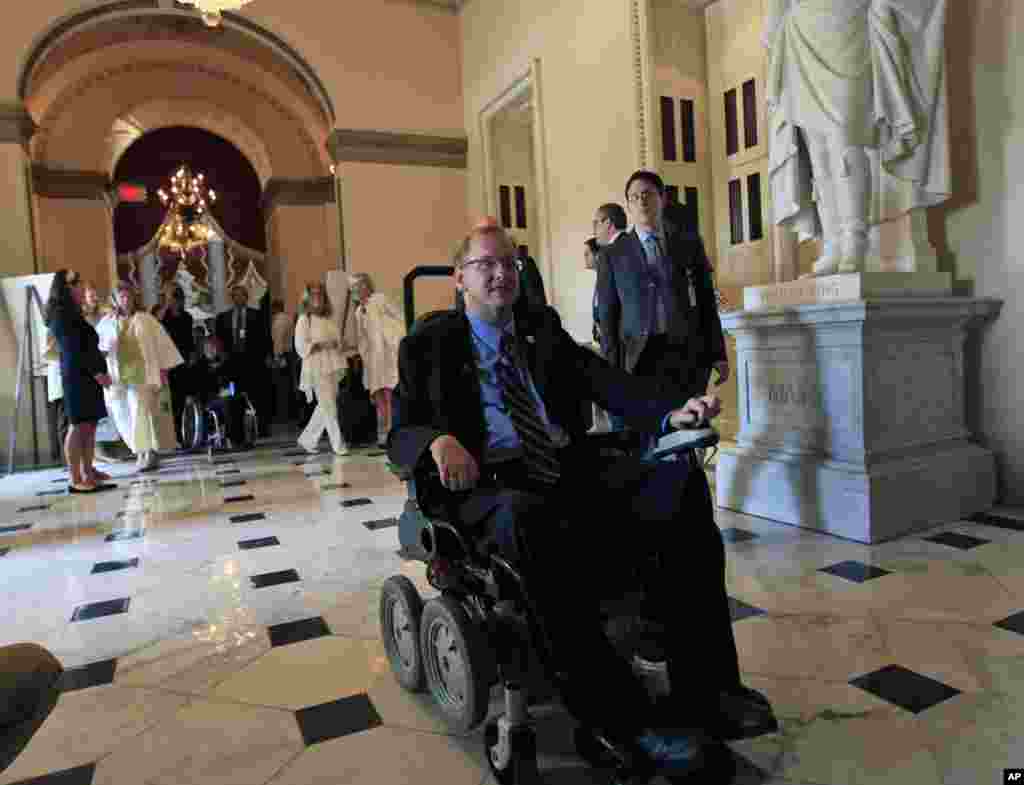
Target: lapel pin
x: 530, y: 339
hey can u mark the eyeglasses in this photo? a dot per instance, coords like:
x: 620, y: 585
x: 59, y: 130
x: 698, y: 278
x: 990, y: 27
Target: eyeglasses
x: 643, y: 196
x: 490, y: 264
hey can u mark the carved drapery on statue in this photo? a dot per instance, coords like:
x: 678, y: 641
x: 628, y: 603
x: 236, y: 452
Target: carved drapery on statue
x: 863, y: 74
x: 205, y: 271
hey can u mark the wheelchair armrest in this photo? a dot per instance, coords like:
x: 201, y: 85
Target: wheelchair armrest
x: 626, y: 441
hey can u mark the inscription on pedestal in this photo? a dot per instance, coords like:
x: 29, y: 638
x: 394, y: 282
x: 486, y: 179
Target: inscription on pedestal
x: 810, y: 290
x: 785, y: 394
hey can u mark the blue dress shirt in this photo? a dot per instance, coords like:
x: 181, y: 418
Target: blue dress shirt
x: 502, y: 439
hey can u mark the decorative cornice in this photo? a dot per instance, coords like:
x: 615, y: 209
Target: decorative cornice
x: 314, y: 191
x: 16, y: 124
x: 385, y: 147
x: 452, y: 6
x: 69, y: 184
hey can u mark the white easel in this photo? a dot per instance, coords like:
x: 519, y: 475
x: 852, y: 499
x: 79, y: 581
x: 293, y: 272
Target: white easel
x: 25, y: 358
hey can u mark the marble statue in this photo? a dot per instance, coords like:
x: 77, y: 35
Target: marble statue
x: 857, y: 118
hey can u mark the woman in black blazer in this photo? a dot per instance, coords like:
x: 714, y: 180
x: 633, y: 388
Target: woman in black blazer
x: 83, y: 373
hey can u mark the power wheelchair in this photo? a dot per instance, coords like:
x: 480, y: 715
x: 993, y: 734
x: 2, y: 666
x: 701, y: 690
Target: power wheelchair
x: 481, y: 630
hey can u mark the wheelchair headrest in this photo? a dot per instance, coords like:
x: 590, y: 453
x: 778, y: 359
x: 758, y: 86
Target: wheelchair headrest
x: 427, y: 318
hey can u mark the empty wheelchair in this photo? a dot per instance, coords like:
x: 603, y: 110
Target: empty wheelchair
x: 204, y: 425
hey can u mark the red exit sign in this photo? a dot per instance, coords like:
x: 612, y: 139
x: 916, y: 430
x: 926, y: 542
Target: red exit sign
x: 130, y: 192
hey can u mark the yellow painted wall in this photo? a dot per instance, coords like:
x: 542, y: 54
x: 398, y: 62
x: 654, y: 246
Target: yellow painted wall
x: 388, y: 64
x: 400, y: 217
x: 588, y: 104
x: 981, y: 230
x: 76, y: 234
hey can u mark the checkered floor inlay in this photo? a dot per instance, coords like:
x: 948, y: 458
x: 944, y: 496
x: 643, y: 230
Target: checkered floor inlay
x: 219, y: 622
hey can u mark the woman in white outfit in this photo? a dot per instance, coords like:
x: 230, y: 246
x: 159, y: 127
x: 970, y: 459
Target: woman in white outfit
x: 379, y: 330
x: 139, y: 354
x: 318, y: 344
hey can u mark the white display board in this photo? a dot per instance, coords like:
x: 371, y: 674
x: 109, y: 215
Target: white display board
x: 15, y: 301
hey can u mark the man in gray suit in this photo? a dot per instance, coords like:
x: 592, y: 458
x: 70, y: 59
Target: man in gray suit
x: 656, y: 300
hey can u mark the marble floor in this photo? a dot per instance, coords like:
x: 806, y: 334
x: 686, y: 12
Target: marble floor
x: 219, y: 627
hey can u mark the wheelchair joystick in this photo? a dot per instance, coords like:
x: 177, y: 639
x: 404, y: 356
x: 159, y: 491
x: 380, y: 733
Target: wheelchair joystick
x: 690, y: 434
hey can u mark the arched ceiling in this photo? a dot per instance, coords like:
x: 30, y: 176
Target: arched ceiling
x: 77, y: 108
x: 106, y: 24
x: 193, y: 113
x: 149, y: 74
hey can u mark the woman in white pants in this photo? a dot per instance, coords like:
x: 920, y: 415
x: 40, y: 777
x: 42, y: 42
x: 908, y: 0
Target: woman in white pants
x: 139, y: 354
x: 318, y: 344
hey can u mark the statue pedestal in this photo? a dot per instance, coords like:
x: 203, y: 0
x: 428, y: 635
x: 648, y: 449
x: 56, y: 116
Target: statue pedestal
x: 852, y: 412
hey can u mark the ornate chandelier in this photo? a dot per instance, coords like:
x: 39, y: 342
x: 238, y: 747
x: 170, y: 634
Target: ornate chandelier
x: 211, y: 9
x: 186, y: 202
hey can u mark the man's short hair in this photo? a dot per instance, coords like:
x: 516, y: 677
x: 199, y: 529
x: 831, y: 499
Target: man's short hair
x: 648, y: 177
x: 459, y: 258
x: 614, y: 213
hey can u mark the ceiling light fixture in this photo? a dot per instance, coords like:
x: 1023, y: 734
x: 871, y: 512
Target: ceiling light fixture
x: 188, y: 198
x: 211, y: 10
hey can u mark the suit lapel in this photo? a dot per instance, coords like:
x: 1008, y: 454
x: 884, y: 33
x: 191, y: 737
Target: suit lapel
x: 466, y: 371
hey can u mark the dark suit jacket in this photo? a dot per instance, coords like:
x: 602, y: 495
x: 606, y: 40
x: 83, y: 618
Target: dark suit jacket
x: 625, y: 300
x: 257, y: 340
x: 438, y: 389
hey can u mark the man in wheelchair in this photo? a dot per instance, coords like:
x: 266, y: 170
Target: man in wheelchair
x: 215, y: 389
x: 490, y: 407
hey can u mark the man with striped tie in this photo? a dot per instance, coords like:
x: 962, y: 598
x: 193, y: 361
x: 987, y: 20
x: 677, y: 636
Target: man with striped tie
x: 492, y: 398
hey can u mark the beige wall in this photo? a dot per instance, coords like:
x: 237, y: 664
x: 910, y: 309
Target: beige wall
x: 399, y: 217
x: 16, y: 259
x: 388, y: 65
x: 588, y: 102
x: 982, y: 229
x: 301, y: 247
x: 77, y: 234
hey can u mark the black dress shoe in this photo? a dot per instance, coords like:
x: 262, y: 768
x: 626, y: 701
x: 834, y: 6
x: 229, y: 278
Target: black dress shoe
x: 743, y: 713
x: 740, y: 713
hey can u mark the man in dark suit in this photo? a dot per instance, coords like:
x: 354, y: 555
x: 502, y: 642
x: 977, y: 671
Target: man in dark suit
x: 490, y: 397
x: 244, y: 335
x: 656, y: 299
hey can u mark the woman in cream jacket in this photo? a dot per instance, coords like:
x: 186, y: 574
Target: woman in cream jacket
x: 318, y: 344
x: 139, y: 355
x: 379, y: 330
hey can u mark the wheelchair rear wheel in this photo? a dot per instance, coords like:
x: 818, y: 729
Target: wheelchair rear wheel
x: 457, y: 662
x: 193, y: 425
x: 400, y: 612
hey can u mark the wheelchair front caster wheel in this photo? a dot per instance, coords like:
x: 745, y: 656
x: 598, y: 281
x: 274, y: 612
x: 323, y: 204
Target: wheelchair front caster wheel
x: 512, y: 759
x: 400, y: 612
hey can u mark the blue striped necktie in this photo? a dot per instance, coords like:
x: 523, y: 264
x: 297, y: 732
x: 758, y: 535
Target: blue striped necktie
x: 539, y: 452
